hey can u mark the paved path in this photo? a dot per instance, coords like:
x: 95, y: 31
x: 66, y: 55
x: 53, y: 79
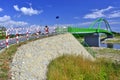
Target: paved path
x: 13, y: 40
x: 31, y: 60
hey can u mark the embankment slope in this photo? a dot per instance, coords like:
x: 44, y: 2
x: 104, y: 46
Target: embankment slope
x: 31, y: 60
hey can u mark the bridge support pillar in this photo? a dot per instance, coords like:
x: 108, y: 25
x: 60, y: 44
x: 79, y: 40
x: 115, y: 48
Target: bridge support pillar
x: 109, y: 36
x: 92, y: 40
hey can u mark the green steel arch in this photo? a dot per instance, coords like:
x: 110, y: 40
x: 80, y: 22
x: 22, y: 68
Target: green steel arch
x: 99, y: 21
x: 91, y: 29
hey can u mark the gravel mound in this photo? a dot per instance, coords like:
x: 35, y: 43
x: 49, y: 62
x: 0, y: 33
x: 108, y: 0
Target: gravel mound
x: 31, y: 60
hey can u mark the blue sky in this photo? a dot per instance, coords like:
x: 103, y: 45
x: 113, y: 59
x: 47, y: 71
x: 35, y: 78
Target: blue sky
x: 44, y: 12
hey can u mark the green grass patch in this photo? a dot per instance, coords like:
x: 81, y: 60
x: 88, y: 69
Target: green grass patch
x: 76, y: 68
x: 5, y: 60
x: 106, y: 50
x: 116, y: 40
x: 2, y: 37
x: 81, y: 40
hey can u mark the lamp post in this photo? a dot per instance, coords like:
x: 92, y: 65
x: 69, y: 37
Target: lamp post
x: 57, y: 17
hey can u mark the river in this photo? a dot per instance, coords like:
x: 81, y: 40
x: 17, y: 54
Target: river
x: 111, y: 45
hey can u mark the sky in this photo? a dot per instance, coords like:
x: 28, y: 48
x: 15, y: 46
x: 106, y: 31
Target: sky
x: 70, y: 12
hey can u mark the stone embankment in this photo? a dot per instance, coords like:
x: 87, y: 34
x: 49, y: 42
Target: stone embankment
x: 31, y: 60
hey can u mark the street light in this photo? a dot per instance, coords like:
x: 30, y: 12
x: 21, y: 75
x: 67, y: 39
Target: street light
x: 57, y: 17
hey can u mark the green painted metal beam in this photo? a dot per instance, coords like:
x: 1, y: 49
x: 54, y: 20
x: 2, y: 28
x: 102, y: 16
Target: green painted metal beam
x: 99, y: 21
x: 91, y: 29
x: 76, y: 30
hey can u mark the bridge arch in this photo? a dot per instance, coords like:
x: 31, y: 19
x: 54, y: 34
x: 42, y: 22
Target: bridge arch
x: 99, y: 21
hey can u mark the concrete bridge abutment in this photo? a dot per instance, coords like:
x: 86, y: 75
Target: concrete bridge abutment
x: 92, y: 39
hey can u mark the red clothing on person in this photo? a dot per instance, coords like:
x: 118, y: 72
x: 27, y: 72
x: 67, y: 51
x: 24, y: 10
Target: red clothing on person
x: 47, y: 30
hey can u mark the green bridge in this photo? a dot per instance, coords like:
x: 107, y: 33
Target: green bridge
x: 92, y: 33
x: 91, y: 29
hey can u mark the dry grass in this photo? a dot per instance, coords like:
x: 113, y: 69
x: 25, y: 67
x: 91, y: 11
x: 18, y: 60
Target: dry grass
x: 106, y: 50
x: 66, y: 67
x: 5, y: 60
x: 76, y: 68
x: 115, y: 40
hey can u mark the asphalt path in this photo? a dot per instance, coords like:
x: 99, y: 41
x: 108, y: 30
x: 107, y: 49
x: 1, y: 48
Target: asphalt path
x: 14, y: 41
x: 21, y: 39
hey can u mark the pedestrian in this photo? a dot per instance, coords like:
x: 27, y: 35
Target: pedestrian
x: 46, y: 30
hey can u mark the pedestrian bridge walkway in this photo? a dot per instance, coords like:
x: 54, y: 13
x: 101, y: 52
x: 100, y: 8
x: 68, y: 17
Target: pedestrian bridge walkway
x: 92, y: 32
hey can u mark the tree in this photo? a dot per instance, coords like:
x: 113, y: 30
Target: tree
x: 2, y: 30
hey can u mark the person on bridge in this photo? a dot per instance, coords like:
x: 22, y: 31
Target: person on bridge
x: 46, y: 30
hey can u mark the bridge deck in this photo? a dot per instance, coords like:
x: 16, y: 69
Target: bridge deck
x: 75, y: 30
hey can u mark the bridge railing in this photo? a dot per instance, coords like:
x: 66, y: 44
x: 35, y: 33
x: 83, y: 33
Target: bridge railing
x: 34, y: 33
x: 16, y: 35
x: 60, y: 30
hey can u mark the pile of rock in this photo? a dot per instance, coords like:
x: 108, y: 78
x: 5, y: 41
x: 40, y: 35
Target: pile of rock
x: 31, y: 60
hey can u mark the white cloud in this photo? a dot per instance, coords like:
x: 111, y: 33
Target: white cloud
x: 81, y: 24
x: 94, y: 15
x: 1, y: 9
x: 85, y: 23
x: 115, y: 14
x: 7, y: 22
x: 16, y: 23
x: 5, y: 18
x: 30, y: 11
x: 98, y: 13
x: 114, y: 22
x: 16, y: 8
x: 88, y: 23
x: 27, y: 11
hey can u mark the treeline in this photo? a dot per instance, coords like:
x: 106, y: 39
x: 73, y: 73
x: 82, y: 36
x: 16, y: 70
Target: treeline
x: 116, y: 33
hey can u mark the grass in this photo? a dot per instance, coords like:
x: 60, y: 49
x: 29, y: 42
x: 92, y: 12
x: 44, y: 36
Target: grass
x: 70, y: 67
x: 116, y: 40
x: 107, y: 50
x: 5, y: 60
x: 81, y: 40
x: 66, y: 67
x: 2, y: 37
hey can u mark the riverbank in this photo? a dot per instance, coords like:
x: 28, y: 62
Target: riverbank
x: 112, y: 53
x: 115, y: 39
x: 8, y: 55
x: 112, y: 40
x: 107, y: 53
